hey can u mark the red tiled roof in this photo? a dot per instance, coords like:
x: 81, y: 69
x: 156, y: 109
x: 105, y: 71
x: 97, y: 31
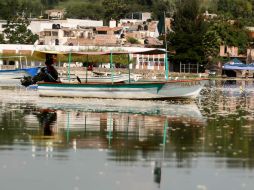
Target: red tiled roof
x: 106, y: 28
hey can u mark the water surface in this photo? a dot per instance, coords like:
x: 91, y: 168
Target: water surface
x: 65, y: 143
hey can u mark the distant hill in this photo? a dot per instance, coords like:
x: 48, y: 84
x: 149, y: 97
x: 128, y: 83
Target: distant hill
x: 93, y: 9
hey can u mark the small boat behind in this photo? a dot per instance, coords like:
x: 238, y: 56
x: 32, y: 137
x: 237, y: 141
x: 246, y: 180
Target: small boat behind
x: 11, y: 69
x: 18, y: 73
x: 100, y: 77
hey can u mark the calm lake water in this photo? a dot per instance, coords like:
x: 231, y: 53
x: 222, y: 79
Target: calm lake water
x: 74, y: 144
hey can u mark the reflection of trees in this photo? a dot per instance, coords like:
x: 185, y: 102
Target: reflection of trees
x: 228, y: 138
x: 12, y: 123
x: 229, y: 132
x: 185, y: 140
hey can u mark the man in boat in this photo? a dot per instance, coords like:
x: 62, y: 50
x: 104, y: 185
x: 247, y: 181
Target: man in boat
x: 46, y: 74
x: 50, y: 74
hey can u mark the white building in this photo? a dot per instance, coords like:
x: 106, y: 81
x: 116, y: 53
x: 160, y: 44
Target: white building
x: 2, y: 23
x: 37, y: 26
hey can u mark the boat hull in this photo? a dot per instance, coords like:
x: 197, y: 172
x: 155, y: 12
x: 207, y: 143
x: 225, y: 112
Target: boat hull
x: 140, y: 90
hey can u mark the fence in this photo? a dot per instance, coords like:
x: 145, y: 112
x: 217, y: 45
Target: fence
x: 189, y: 68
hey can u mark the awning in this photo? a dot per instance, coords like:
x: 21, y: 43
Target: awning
x: 42, y: 54
x: 151, y: 51
x: 236, y: 64
x: 239, y: 67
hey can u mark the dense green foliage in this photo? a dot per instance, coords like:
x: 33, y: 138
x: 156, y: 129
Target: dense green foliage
x: 2, y: 41
x: 132, y: 40
x: 197, y: 39
x: 188, y: 33
x: 194, y: 38
x: 106, y: 9
x: 16, y: 32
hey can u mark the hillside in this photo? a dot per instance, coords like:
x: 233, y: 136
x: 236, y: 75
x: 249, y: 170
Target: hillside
x: 93, y: 9
x: 107, y: 9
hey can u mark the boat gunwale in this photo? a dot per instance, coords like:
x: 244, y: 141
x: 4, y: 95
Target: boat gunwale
x: 117, y: 83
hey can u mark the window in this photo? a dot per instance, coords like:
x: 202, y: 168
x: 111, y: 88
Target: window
x: 66, y: 34
x: 117, y: 32
x: 47, y: 33
x: 102, y: 32
x: 54, y: 33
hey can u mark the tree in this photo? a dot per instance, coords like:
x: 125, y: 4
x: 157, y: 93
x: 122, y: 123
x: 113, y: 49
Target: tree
x: 211, y: 46
x: 230, y: 34
x: 132, y: 40
x: 2, y: 39
x: 188, y: 29
x: 49, y: 3
x: 115, y: 9
x: 16, y: 31
x: 93, y: 11
x: 161, y: 7
x: 235, y: 8
x: 9, y: 9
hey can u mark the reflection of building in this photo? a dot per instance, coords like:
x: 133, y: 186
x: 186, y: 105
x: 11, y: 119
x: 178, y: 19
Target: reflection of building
x: 94, y: 130
x: 235, y: 94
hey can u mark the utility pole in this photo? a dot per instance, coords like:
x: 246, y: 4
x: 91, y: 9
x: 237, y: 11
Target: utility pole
x: 166, y: 47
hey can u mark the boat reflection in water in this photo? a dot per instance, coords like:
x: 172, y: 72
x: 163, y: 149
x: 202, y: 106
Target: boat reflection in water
x: 106, y: 119
x: 125, y: 129
x: 47, y: 118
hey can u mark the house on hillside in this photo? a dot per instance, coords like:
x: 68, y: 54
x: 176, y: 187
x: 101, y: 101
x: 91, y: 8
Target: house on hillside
x: 229, y: 51
x: 108, y: 36
x: 250, y: 50
x: 209, y: 16
x: 145, y: 32
x: 141, y: 16
x: 99, y: 36
x: 55, y: 14
x: 2, y: 25
x: 59, y: 32
x: 63, y: 36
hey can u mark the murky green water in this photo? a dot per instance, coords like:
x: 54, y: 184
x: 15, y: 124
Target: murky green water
x: 74, y: 144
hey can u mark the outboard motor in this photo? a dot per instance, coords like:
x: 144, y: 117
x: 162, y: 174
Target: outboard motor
x: 26, y: 81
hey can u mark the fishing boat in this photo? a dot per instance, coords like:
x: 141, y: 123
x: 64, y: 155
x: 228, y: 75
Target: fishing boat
x: 137, y: 90
x: 128, y: 90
